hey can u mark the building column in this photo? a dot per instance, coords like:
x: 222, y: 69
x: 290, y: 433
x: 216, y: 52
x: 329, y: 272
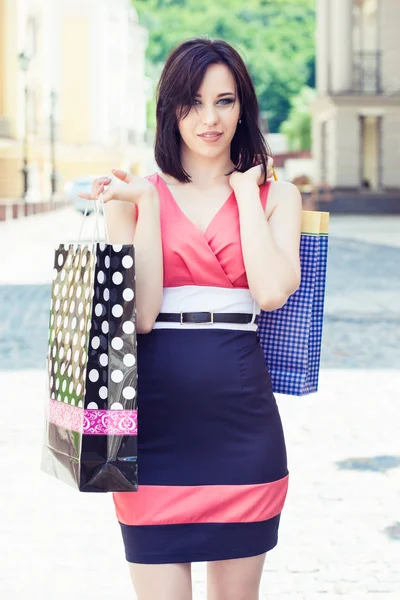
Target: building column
x: 390, y: 150
x: 322, y: 46
x: 347, y: 148
x: 316, y: 149
x: 341, y: 45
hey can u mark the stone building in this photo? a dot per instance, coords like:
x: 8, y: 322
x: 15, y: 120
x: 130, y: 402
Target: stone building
x: 356, y: 117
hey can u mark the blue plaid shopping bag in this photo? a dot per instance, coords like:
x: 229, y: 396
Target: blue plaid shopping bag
x: 291, y: 336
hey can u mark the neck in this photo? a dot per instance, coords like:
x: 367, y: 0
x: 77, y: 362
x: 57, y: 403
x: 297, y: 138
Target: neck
x: 206, y: 172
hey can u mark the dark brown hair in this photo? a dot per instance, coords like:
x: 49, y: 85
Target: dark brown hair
x: 180, y: 80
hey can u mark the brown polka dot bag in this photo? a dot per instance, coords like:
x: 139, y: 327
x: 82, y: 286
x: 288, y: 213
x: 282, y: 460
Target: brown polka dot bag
x: 90, y: 437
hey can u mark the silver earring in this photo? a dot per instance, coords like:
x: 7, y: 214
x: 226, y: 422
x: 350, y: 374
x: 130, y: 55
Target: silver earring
x: 240, y: 120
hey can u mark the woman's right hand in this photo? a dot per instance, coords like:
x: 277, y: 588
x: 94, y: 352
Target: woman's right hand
x: 131, y: 190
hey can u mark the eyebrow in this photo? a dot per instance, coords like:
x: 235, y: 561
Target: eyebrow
x: 219, y: 95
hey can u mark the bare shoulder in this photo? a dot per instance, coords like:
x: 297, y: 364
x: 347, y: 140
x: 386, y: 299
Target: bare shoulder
x: 283, y: 190
x: 283, y: 194
x: 168, y: 179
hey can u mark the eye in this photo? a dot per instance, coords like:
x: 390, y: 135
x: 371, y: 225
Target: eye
x: 225, y: 100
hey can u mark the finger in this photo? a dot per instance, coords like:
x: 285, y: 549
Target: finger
x: 270, y: 168
x: 85, y: 196
x: 108, y: 195
x: 101, y: 189
x: 102, y: 181
x: 122, y: 175
x: 263, y: 170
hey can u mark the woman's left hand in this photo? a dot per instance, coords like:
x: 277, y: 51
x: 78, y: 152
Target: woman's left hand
x: 254, y: 174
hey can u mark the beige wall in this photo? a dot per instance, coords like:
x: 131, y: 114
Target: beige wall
x: 9, y: 68
x: 74, y: 81
x: 10, y: 177
x: 2, y: 55
x: 10, y: 150
x: 73, y: 53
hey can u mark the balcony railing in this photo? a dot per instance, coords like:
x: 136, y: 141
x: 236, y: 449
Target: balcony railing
x: 367, y: 73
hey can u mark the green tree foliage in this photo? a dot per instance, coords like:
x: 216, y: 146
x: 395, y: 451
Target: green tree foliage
x: 298, y: 126
x: 274, y: 37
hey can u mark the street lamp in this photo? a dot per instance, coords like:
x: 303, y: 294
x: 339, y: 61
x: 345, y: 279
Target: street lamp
x: 53, y: 177
x: 24, y: 65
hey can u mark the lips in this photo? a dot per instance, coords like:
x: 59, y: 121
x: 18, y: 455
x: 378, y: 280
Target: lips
x: 210, y: 134
x: 210, y: 138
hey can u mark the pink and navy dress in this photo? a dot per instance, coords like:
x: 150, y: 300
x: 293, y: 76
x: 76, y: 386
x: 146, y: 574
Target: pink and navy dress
x: 213, y: 473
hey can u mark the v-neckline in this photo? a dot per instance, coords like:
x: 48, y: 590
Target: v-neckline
x: 185, y: 215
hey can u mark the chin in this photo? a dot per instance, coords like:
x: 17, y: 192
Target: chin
x: 211, y: 151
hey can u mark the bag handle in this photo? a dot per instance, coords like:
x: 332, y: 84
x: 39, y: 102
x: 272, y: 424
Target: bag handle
x: 96, y: 225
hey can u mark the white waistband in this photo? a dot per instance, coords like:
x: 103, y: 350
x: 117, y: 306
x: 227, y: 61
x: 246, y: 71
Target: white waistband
x: 197, y: 298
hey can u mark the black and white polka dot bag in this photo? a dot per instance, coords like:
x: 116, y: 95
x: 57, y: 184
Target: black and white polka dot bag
x: 90, y: 439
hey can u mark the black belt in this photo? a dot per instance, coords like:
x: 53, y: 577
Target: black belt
x: 206, y: 317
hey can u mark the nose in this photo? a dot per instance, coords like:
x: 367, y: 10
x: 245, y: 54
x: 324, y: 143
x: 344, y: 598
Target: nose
x: 210, y: 116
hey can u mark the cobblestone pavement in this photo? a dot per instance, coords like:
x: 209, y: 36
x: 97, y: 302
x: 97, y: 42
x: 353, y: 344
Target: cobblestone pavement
x: 362, y: 309
x: 340, y: 530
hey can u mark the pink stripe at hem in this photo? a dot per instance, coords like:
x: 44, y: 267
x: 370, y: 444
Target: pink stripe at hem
x: 173, y: 505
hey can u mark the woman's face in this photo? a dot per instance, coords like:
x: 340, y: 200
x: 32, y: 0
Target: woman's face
x: 215, y: 108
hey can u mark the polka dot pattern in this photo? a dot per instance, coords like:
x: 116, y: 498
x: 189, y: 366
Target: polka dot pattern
x: 67, y: 344
x: 92, y: 334
x: 112, y: 344
x: 117, y: 278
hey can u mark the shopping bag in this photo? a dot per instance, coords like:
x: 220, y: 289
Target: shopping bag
x: 291, y: 336
x: 90, y: 439
x: 317, y: 317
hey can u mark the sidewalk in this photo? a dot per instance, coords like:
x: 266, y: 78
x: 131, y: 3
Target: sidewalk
x: 41, y: 234
x: 373, y: 229
x: 340, y: 529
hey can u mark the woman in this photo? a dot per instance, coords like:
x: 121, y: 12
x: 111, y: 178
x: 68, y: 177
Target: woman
x: 215, y: 242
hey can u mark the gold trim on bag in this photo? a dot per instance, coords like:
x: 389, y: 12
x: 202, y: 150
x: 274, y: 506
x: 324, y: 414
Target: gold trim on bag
x: 314, y: 222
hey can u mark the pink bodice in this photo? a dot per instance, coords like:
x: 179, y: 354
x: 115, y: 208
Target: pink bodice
x: 190, y: 257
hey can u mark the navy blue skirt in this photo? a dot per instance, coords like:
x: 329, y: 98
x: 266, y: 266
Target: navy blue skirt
x: 212, y: 465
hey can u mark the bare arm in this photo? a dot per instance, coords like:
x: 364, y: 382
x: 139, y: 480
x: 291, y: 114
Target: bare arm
x: 270, y: 248
x: 145, y: 234
x: 149, y: 263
